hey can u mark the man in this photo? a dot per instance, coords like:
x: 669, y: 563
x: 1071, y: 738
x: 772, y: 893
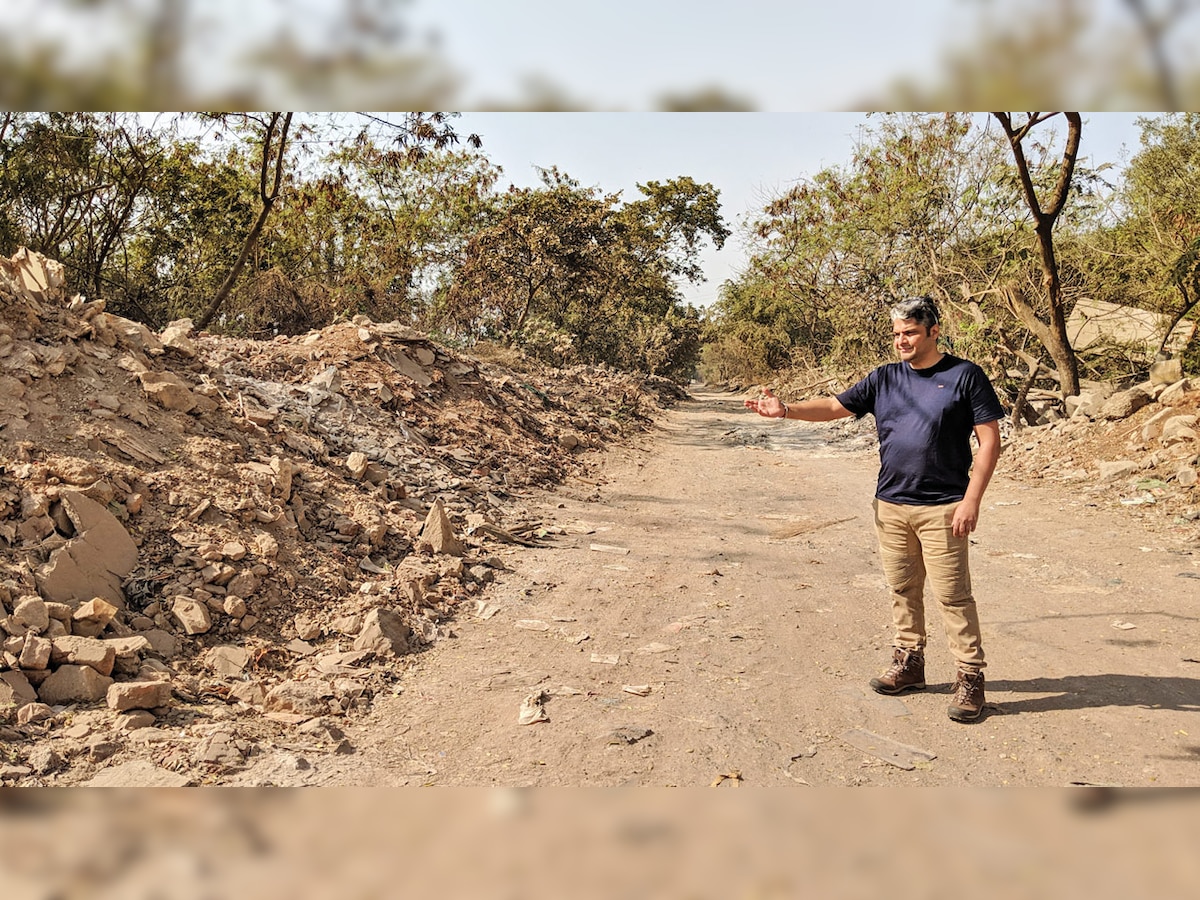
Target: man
x: 927, y: 499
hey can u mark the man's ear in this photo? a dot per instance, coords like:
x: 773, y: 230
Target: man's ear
x: 935, y: 331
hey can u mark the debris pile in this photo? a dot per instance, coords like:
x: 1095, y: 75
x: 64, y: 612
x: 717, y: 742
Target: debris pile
x: 1138, y: 446
x: 233, y: 536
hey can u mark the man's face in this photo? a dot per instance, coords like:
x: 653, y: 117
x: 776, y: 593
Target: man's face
x: 915, y: 344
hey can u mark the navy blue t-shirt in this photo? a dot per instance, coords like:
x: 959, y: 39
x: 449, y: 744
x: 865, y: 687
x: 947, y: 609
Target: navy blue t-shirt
x: 925, y: 418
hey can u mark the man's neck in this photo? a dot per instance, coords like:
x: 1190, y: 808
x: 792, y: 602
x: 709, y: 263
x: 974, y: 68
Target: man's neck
x: 927, y: 362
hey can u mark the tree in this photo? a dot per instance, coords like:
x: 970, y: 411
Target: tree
x: 1052, y: 334
x: 273, y: 149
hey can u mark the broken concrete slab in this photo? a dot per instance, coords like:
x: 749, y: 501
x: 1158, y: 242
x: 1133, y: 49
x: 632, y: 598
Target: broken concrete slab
x: 94, y: 562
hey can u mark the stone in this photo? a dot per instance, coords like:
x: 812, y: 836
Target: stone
x: 307, y: 629
x: 44, y: 760
x: 219, y: 749
x: 168, y: 391
x: 36, y: 652
x: 357, y: 463
x: 135, y: 719
x: 32, y: 614
x: 234, y: 607
x: 228, y: 660
x: 73, y: 684
x: 1178, y: 429
x: 309, y: 698
x: 177, y: 336
x: 384, y: 633
x: 94, y: 563
x: 15, y: 689
x: 439, y: 533
x: 97, y: 611
x: 84, y: 651
x: 1166, y: 371
x: 126, y: 695
x: 1123, y: 404
x: 1186, y: 476
x: 192, y: 615
x: 1175, y: 392
x: 1111, y: 471
x: 162, y: 642
x: 138, y: 773
x: 32, y: 713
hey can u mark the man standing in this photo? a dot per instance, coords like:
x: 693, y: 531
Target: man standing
x: 927, y: 500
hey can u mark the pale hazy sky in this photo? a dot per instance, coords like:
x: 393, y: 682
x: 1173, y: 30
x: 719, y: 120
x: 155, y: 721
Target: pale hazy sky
x: 747, y: 156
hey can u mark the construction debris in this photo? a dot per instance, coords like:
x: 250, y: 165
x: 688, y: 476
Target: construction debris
x: 198, y: 527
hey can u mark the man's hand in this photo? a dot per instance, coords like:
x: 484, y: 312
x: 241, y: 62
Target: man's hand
x: 767, y: 405
x: 966, y: 517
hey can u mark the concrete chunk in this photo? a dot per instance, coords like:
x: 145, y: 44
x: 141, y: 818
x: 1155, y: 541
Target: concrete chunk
x: 128, y: 695
x: 94, y: 562
x: 73, y: 684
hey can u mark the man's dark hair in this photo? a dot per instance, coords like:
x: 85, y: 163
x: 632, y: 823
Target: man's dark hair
x: 921, y: 310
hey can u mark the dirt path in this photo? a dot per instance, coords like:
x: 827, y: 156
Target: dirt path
x: 728, y: 567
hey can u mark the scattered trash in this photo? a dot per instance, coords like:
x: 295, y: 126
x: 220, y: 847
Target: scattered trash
x: 900, y: 755
x: 641, y: 690
x: 532, y: 710
x: 485, y: 610
x: 1124, y: 626
x: 1025, y: 556
x: 807, y: 753
x: 608, y: 548
x: 1007, y: 503
x: 609, y: 659
x: 531, y: 625
x: 580, y: 638
x: 1143, y: 499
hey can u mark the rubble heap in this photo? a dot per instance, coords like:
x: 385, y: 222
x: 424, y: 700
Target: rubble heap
x: 200, y: 529
x: 1136, y: 446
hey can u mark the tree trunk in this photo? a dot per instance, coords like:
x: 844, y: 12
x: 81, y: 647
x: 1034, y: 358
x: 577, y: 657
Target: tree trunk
x: 268, y: 197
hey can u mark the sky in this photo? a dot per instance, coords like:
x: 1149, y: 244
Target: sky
x: 748, y: 157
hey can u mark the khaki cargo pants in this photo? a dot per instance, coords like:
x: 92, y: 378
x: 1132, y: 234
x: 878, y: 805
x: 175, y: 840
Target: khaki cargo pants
x: 916, y: 542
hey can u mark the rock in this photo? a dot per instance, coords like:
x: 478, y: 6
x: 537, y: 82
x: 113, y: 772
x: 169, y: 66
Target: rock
x: 138, y: 773
x: 307, y: 629
x: 438, y: 532
x: 1166, y: 372
x: 15, y: 690
x: 36, y: 652
x: 176, y: 336
x: 135, y: 719
x: 228, y: 660
x: 1178, y: 429
x: 357, y: 463
x: 32, y: 614
x: 128, y: 695
x: 1124, y: 404
x: 162, y: 642
x: 168, y: 391
x: 192, y: 615
x: 1111, y: 471
x: 31, y: 713
x: 308, y: 698
x: 384, y: 633
x: 94, y: 563
x: 84, y: 651
x: 1186, y: 476
x: 73, y: 684
x: 97, y: 612
x: 44, y: 760
x: 1175, y: 392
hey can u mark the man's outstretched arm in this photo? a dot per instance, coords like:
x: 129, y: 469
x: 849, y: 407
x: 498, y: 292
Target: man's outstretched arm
x: 822, y: 409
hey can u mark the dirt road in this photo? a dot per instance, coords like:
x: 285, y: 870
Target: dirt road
x: 714, y: 610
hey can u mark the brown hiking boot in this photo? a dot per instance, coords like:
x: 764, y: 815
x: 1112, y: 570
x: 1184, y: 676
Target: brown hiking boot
x: 968, y: 697
x: 906, y: 673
